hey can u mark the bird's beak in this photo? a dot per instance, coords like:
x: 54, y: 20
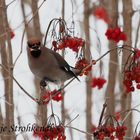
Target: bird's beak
x: 35, y: 48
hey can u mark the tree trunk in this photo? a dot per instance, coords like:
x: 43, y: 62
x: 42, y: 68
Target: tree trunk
x: 42, y: 110
x: 126, y: 100
x: 7, y: 62
x: 36, y: 22
x: 1, y: 122
x: 89, y: 77
x: 112, y: 8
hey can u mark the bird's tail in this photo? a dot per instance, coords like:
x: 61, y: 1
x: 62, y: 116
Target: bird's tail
x: 76, y: 72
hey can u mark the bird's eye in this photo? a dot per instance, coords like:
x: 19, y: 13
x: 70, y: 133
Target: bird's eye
x: 30, y: 45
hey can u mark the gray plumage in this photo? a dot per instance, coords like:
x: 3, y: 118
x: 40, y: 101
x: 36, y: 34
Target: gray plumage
x: 48, y: 65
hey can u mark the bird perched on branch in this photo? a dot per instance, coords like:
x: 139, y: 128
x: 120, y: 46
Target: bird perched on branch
x: 47, y: 65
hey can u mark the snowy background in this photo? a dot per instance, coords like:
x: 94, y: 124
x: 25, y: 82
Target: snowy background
x: 75, y: 92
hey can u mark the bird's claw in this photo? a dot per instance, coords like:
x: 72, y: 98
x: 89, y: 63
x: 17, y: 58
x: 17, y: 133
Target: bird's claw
x: 43, y: 84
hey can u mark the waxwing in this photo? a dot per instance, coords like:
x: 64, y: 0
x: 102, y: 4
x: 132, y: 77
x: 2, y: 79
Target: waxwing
x: 47, y: 65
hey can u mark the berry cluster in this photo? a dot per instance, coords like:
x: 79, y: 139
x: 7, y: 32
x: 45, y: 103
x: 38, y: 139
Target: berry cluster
x: 98, y: 82
x: 81, y: 64
x: 136, y: 137
x: 109, y: 132
x: 73, y: 43
x: 132, y: 74
x: 51, y: 131
x: 54, y: 95
x: 130, y: 77
x: 101, y: 13
x: 115, y: 34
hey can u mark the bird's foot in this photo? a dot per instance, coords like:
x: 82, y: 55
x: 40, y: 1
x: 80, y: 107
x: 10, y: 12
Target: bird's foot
x: 43, y: 84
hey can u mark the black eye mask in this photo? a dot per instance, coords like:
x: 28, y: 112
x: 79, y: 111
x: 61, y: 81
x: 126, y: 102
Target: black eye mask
x: 34, y: 45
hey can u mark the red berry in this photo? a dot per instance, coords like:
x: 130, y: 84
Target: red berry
x: 138, y: 86
x: 54, y: 43
x: 115, y: 34
x: 137, y: 138
x: 132, y: 89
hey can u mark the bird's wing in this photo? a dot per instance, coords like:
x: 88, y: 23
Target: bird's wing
x: 63, y: 64
x: 61, y: 61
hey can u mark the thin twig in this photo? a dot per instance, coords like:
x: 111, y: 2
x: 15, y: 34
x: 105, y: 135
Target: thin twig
x: 20, y: 85
x: 20, y: 49
x: 129, y: 112
x: 102, y: 113
x: 10, y: 3
x: 34, y: 99
x: 6, y: 101
x: 135, y: 132
x: 79, y: 130
x: 47, y: 31
x: 51, y: 104
x: 72, y: 120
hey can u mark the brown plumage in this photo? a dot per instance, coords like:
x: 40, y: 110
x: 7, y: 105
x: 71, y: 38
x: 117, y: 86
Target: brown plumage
x: 48, y: 65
